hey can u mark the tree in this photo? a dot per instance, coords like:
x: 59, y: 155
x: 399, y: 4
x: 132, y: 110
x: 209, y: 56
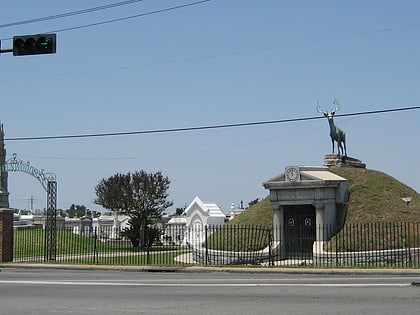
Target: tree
x: 140, y: 195
x: 78, y: 211
x: 180, y: 210
x: 133, y: 233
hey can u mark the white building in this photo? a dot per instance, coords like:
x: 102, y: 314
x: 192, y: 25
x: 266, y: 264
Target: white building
x: 175, y: 231
x: 234, y: 211
x: 198, y: 216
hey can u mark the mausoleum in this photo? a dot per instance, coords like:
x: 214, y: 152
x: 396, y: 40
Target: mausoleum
x: 309, y: 204
x: 200, y: 214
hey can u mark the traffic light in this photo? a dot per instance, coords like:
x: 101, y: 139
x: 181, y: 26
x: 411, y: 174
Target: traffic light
x: 34, y: 44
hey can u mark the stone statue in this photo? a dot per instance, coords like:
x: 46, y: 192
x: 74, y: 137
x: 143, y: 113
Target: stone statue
x: 336, y: 133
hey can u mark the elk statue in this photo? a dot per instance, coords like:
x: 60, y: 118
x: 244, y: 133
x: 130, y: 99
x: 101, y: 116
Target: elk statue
x: 336, y: 133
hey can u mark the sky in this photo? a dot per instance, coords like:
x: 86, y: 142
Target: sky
x: 168, y: 64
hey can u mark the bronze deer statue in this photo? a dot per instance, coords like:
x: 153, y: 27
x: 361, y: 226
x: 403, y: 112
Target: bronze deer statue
x: 336, y: 134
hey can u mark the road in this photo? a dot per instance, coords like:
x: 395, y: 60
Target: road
x: 33, y: 291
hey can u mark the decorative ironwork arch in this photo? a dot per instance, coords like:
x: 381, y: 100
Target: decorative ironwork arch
x: 49, y: 182
x: 14, y: 164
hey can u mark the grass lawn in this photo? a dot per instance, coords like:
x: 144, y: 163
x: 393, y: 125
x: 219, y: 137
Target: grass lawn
x: 29, y: 245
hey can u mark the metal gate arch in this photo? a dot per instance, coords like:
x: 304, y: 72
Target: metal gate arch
x: 49, y: 183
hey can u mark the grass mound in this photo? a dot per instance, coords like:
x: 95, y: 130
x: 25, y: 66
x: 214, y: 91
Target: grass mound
x: 374, y: 197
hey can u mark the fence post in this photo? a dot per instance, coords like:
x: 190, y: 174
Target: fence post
x: 336, y: 245
x: 270, y: 254
x: 207, y: 247
x: 95, y: 251
x: 409, y: 243
x: 148, y: 244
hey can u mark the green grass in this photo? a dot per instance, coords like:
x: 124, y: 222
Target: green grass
x: 74, y: 248
x: 28, y: 243
x: 141, y: 259
x: 248, y: 231
x: 375, y: 236
x: 239, y: 238
x: 31, y: 243
x: 374, y: 197
x: 260, y: 214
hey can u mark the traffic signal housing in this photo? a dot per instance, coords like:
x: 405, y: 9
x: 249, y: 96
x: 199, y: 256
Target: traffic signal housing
x: 34, y: 44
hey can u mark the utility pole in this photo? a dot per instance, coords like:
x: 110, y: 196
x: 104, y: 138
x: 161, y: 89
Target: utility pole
x: 32, y: 204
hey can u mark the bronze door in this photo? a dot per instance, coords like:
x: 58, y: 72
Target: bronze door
x: 299, y: 231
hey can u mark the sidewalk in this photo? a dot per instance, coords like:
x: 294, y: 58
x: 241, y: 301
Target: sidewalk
x: 238, y: 269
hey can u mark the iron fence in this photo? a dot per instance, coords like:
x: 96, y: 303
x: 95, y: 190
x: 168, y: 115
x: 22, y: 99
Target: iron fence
x: 355, y: 245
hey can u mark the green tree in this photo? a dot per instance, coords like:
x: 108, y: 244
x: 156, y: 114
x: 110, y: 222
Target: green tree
x: 140, y: 195
x: 78, y: 211
x: 133, y: 233
x: 180, y: 210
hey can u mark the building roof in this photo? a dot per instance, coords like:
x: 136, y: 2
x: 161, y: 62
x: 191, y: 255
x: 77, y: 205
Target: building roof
x: 322, y: 175
x: 209, y: 208
x: 309, y: 175
x: 177, y: 221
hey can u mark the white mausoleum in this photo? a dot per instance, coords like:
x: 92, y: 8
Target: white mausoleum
x: 200, y: 214
x: 309, y: 204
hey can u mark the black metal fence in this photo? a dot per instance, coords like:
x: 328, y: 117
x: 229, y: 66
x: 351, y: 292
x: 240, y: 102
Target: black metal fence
x: 388, y: 245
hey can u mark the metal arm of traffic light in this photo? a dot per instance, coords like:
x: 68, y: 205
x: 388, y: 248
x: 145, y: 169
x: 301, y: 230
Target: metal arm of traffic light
x: 5, y: 50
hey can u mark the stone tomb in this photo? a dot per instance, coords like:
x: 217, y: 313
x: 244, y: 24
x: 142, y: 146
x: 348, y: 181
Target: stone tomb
x: 309, y: 204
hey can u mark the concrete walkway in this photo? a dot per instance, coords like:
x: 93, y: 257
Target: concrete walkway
x: 238, y: 269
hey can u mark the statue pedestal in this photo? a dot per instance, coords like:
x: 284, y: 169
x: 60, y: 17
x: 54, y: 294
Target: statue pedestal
x: 341, y: 160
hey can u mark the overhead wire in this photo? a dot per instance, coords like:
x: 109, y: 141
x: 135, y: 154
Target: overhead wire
x: 208, y: 127
x: 113, y: 5
x: 122, y: 18
x: 129, y: 17
x: 71, y: 13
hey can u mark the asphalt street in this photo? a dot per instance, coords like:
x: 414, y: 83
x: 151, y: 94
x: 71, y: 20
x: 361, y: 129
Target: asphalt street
x: 55, y: 291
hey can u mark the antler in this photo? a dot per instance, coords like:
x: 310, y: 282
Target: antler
x: 318, y: 108
x: 337, y: 107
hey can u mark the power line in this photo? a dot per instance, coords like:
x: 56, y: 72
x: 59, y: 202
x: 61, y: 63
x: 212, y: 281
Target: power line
x: 129, y: 17
x: 124, y: 18
x: 198, y: 128
x: 72, y: 13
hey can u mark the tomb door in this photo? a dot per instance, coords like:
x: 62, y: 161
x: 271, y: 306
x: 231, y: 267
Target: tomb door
x: 299, y: 231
